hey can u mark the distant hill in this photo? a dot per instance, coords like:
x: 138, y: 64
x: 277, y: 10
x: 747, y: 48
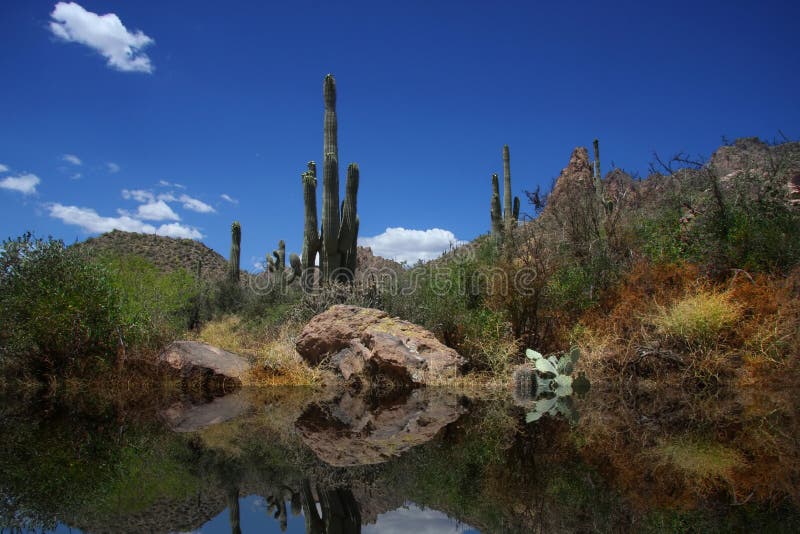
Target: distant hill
x: 166, y: 253
x: 169, y: 253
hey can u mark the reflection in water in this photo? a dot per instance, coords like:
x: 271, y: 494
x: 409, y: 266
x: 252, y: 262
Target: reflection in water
x: 355, y: 430
x: 638, y: 460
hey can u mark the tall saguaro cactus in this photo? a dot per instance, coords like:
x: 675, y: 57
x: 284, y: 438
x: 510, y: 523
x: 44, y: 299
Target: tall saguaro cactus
x: 236, y: 242
x: 506, y: 220
x: 506, y: 186
x: 338, y: 236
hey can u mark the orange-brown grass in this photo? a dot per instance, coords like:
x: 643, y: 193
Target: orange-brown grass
x: 671, y: 324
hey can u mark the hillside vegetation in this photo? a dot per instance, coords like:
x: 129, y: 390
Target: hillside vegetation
x: 165, y: 253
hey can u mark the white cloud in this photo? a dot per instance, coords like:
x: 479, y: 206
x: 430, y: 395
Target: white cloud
x: 112, y: 167
x: 156, y: 211
x: 24, y: 183
x: 401, y: 244
x: 103, y: 33
x: 164, y: 183
x: 139, y: 195
x: 3, y: 168
x: 179, y: 230
x: 90, y: 221
x: 194, y: 204
x: 76, y: 176
x: 412, y: 518
x: 167, y: 197
x: 72, y: 158
x: 227, y: 198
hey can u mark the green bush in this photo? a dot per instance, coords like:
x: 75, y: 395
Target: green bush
x: 57, y: 308
x: 155, y: 307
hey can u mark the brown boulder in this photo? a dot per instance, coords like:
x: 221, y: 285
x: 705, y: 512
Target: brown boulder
x: 193, y: 358
x: 366, y: 341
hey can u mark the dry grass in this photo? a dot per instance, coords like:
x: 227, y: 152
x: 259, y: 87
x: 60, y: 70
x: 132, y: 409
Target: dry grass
x: 670, y: 324
x: 697, y: 319
x: 276, y: 362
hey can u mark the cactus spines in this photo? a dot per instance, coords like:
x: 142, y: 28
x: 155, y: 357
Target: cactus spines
x: 236, y: 241
x: 515, y: 210
x: 507, y: 207
x: 348, y: 231
x: 496, y: 215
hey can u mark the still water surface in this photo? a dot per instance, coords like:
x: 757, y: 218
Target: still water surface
x: 295, y: 460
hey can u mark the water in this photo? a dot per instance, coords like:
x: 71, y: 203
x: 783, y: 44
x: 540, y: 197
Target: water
x: 295, y: 460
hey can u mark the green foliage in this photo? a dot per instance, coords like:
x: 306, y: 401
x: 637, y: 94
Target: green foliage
x: 659, y: 236
x: 58, y: 309
x: 155, y: 307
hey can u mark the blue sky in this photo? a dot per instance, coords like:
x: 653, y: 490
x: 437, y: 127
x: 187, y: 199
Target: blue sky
x: 143, y: 119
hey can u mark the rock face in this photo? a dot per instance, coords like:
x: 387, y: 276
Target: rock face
x: 368, y: 342
x: 359, y: 430
x: 196, y: 358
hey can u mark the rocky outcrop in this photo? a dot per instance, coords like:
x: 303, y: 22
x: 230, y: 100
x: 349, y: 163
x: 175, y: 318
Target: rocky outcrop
x: 360, y: 430
x: 576, y: 176
x: 368, y: 343
x: 193, y: 358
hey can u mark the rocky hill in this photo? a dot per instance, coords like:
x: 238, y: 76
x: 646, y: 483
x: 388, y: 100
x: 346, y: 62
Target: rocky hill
x: 166, y: 253
x: 169, y: 253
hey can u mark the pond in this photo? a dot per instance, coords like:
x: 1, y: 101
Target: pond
x: 615, y: 459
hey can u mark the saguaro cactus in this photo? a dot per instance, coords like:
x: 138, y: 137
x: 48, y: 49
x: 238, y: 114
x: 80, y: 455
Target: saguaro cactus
x: 338, y: 235
x: 506, y: 185
x: 277, y: 265
x: 311, y: 242
x: 497, y: 216
x: 236, y: 241
x: 508, y: 219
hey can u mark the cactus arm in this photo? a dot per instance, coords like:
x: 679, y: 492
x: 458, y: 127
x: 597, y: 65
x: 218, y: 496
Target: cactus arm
x: 348, y: 231
x: 515, y: 214
x: 296, y: 268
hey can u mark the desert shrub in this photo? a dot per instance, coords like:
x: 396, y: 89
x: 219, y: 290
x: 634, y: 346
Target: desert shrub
x: 155, y: 307
x: 228, y: 296
x: 489, y: 342
x: 57, y: 308
x: 697, y: 319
